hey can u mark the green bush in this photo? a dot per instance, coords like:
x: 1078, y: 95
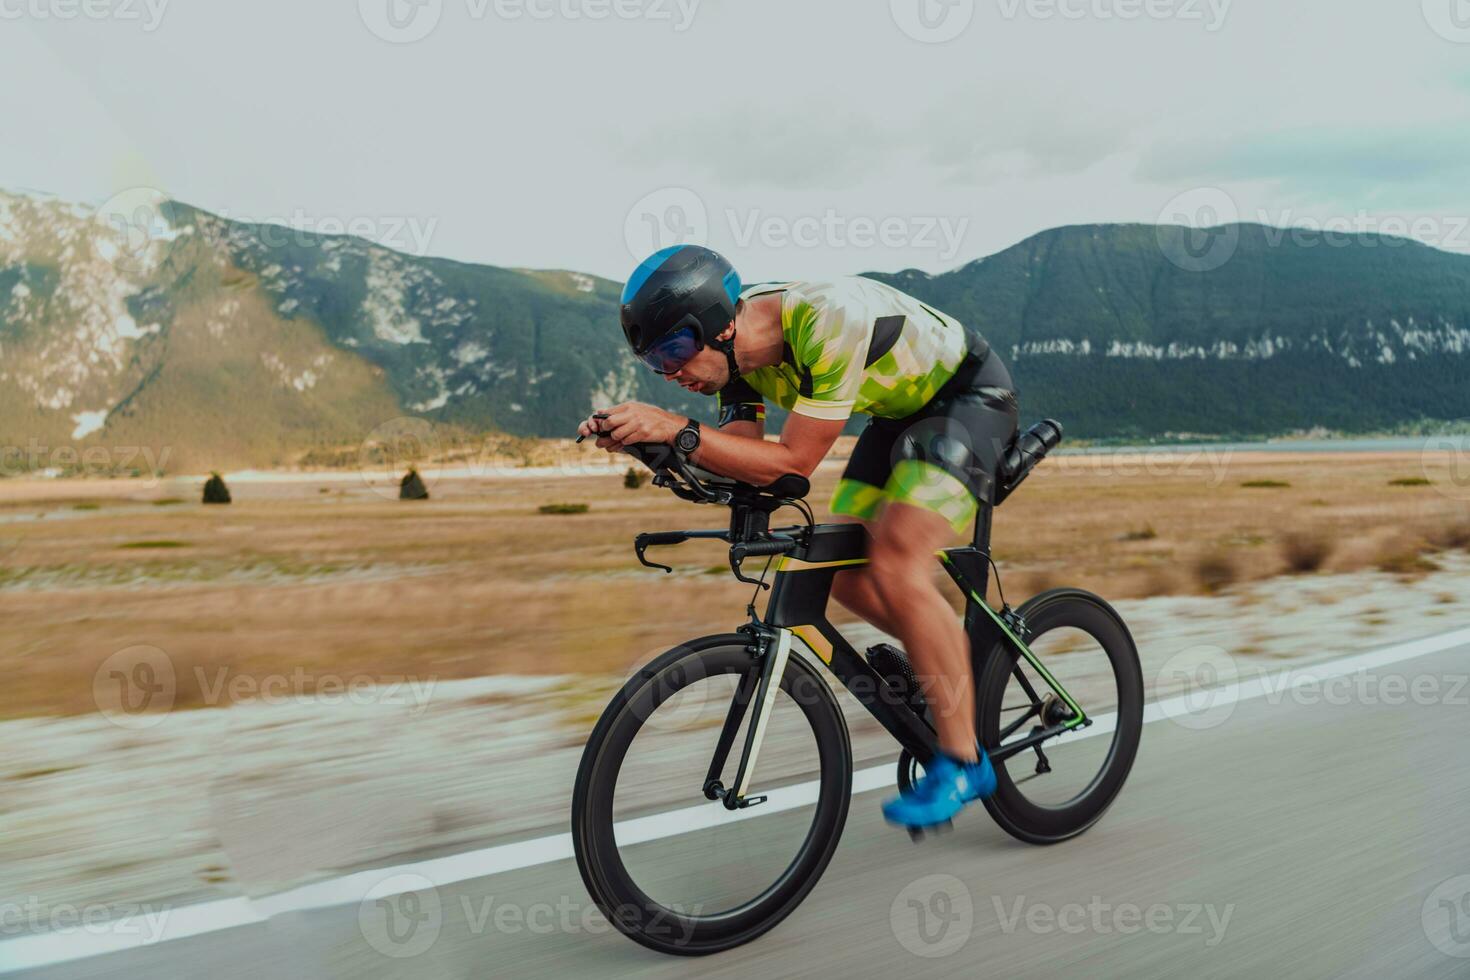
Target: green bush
x: 412, y: 487
x: 634, y: 478
x: 562, y: 509
x: 215, y: 491
x: 1265, y: 484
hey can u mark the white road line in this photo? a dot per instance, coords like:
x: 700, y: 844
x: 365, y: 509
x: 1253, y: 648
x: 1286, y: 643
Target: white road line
x: 49, y: 949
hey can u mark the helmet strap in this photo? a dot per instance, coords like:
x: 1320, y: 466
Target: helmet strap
x: 728, y: 346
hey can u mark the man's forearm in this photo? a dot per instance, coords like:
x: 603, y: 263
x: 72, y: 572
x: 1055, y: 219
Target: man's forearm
x: 745, y: 458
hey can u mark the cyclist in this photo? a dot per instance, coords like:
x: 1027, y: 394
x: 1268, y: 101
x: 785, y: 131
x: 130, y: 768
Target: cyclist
x: 942, y: 411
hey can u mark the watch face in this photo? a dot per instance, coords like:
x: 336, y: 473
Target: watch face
x: 687, y: 441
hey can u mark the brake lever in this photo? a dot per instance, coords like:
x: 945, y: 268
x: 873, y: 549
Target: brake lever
x: 644, y: 540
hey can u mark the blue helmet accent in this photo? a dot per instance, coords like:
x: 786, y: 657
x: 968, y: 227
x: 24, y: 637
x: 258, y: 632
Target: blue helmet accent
x: 732, y: 285
x: 645, y: 269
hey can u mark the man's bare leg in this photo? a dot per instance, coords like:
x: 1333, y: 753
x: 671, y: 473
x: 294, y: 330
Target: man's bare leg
x: 900, y: 567
x: 855, y: 589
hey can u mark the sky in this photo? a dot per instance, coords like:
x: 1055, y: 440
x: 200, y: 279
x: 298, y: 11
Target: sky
x: 802, y: 137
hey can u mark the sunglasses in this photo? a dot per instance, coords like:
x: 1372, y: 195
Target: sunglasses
x: 672, y: 351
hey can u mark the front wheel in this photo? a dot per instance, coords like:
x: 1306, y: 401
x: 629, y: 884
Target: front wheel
x: 1061, y: 787
x: 667, y: 866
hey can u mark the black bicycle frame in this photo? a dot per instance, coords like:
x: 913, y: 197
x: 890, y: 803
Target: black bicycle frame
x: 798, y: 603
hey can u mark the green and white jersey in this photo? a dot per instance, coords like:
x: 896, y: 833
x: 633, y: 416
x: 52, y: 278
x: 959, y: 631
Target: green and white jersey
x: 852, y: 345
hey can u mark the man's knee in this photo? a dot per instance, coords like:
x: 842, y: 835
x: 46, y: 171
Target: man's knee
x: 898, y: 570
x: 902, y: 553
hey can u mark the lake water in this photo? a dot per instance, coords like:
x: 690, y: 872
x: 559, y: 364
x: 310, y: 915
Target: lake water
x: 1391, y: 444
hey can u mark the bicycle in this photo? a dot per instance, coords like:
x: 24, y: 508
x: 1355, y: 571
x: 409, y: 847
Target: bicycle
x: 625, y: 855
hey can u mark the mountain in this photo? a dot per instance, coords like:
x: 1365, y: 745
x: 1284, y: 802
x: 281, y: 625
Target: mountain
x: 1138, y: 330
x: 153, y: 323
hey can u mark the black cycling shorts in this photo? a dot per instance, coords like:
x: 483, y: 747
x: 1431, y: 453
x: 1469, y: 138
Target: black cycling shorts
x: 945, y: 457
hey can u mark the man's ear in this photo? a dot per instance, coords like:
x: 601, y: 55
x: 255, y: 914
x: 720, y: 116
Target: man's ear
x: 727, y: 333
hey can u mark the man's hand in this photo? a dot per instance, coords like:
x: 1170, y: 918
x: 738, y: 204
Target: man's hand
x: 632, y: 422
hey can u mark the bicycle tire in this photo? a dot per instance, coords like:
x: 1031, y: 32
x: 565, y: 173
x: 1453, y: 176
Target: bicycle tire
x: 1008, y: 806
x: 608, y: 882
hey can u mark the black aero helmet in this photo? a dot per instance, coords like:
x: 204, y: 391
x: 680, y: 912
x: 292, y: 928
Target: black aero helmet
x: 678, y: 301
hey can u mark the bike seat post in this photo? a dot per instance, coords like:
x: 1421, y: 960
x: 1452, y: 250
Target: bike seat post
x: 981, y: 540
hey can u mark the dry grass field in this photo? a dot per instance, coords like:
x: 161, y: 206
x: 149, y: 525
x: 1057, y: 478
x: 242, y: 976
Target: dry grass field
x: 329, y: 578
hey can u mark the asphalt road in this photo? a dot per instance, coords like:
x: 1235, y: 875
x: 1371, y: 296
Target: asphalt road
x: 1314, y: 835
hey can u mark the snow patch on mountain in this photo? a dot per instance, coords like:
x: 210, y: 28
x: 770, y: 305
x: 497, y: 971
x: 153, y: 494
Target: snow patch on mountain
x: 94, y: 268
x: 1353, y: 347
x: 470, y: 352
x: 619, y: 385
x: 88, y: 423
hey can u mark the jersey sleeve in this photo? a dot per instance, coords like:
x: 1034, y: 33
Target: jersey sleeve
x: 739, y: 402
x: 831, y: 330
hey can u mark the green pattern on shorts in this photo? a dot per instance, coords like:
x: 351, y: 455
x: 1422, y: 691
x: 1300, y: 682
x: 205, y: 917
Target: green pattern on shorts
x: 854, y: 498
x: 925, y: 485
x: 912, y: 482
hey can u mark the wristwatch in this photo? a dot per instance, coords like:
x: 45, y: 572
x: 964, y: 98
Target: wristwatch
x: 686, y: 440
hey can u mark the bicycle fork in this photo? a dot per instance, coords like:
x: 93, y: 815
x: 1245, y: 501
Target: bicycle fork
x: 775, y: 646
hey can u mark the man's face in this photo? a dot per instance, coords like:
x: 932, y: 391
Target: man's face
x: 708, y: 371
x: 704, y: 374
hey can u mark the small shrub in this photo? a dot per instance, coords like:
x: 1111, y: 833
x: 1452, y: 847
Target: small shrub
x: 1214, y: 570
x: 1407, y: 561
x: 1410, y: 481
x: 215, y: 491
x: 152, y: 545
x: 86, y: 506
x: 411, y: 487
x: 1265, y: 484
x: 634, y: 478
x: 1160, y: 581
x: 1145, y: 533
x: 1305, y: 551
x: 1404, y: 554
x: 562, y: 509
x: 1452, y: 536
x: 167, y: 502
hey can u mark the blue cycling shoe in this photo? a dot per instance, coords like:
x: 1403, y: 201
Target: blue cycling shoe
x: 945, y: 788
